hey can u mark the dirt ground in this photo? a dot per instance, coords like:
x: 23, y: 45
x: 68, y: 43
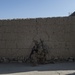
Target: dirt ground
x: 47, y: 69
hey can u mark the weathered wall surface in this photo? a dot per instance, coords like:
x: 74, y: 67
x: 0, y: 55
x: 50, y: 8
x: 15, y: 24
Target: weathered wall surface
x: 16, y: 36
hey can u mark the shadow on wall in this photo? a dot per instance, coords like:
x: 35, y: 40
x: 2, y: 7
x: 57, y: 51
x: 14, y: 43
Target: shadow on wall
x: 71, y: 74
x: 10, y: 68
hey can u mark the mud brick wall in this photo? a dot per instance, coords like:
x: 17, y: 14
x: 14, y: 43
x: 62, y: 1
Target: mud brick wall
x: 16, y: 36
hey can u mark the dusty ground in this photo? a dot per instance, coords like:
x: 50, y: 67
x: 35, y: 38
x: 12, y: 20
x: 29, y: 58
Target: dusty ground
x: 48, y: 69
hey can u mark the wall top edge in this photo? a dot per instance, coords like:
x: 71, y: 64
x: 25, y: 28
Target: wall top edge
x: 36, y: 18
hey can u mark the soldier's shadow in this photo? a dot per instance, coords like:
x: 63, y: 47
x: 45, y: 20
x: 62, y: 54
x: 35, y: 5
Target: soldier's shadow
x: 19, y: 68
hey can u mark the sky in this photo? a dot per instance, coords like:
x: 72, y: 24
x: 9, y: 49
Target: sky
x: 12, y: 9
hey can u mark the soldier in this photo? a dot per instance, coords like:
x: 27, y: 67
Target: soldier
x: 38, y: 53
